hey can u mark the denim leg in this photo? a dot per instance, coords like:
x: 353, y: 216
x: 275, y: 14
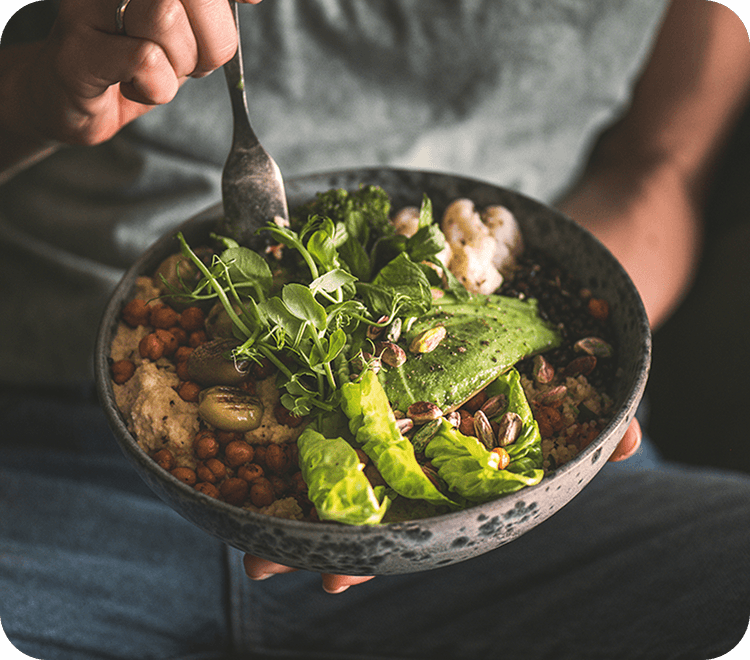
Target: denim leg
x: 644, y: 563
x: 649, y: 561
x: 92, y: 565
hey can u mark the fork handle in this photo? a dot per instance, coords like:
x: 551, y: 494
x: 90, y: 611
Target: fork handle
x: 234, y: 72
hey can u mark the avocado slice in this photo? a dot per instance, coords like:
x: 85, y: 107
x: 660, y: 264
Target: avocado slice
x: 485, y: 336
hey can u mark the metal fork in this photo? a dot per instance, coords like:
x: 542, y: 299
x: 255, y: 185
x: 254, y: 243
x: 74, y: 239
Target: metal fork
x: 251, y: 184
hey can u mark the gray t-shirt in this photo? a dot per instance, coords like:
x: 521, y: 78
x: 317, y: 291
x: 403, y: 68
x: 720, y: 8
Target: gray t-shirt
x: 512, y: 92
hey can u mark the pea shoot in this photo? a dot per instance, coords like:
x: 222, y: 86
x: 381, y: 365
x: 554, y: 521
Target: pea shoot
x: 316, y: 322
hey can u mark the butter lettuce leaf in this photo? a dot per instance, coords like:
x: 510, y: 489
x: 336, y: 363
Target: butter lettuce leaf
x: 470, y: 469
x: 336, y: 484
x: 373, y: 425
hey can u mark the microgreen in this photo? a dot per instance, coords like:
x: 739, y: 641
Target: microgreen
x: 350, y: 269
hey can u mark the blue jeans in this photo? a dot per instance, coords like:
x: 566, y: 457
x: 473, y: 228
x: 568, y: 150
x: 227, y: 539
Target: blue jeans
x: 649, y: 561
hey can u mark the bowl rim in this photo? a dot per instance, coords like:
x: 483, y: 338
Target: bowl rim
x: 130, y: 447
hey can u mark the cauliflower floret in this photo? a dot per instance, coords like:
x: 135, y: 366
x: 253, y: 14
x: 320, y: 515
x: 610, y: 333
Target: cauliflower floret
x: 507, y: 235
x: 406, y: 221
x: 483, y: 246
x: 473, y: 267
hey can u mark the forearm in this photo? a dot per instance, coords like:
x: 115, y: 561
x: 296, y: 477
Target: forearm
x: 649, y: 221
x: 645, y: 186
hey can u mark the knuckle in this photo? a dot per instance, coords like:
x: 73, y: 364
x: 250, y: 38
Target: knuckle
x: 167, y: 15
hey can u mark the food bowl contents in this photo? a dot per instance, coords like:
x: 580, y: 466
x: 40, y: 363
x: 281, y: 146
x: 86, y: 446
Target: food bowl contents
x: 370, y: 366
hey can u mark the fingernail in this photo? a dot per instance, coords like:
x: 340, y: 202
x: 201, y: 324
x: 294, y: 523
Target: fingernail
x: 202, y: 74
x: 262, y: 576
x: 338, y: 590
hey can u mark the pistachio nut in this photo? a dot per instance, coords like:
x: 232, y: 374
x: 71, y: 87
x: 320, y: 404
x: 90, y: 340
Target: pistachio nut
x: 453, y: 418
x: 230, y: 409
x: 431, y: 473
x: 483, y: 429
x: 509, y: 428
x: 594, y: 346
x: 424, y: 434
x: 422, y: 412
x: 541, y: 370
x: 428, y: 340
x: 364, y: 360
x: 554, y: 396
x: 375, y: 331
x: 391, y: 354
x: 393, y: 330
x: 212, y: 363
x: 494, y: 405
x: 404, y: 425
x: 580, y: 366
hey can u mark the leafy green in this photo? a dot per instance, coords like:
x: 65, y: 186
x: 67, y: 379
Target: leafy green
x: 309, y: 308
x: 470, y: 469
x: 365, y: 212
x: 373, y: 425
x: 400, y: 287
x: 336, y: 484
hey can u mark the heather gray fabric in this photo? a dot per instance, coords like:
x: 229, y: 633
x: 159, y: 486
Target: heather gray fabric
x: 512, y: 92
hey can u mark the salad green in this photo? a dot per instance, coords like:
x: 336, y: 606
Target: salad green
x: 314, y: 310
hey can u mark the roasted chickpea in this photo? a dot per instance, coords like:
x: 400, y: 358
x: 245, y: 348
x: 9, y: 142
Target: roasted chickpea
x: 217, y: 468
x: 276, y: 459
x: 165, y: 459
x: 189, y: 391
x: 225, y: 437
x: 234, y: 490
x: 250, y: 472
x: 197, y: 338
x: 136, y: 313
x: 151, y: 347
x: 205, y: 445
x: 164, y: 317
x: 261, y: 493
x: 169, y: 341
x: 192, y: 319
x: 207, y: 489
x: 185, y: 474
x: 238, y: 452
x: 122, y: 371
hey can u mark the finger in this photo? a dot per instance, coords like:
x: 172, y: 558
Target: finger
x: 213, y: 25
x: 142, y: 67
x: 165, y: 23
x: 261, y: 569
x: 629, y: 443
x: 336, y: 584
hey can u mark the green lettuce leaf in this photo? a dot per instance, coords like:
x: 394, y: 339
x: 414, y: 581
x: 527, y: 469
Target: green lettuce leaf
x: 373, y: 425
x: 336, y: 484
x: 470, y: 469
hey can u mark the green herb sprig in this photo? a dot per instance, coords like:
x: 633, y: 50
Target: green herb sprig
x: 312, y: 327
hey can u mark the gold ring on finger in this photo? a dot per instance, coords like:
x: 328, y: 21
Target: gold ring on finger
x: 120, y: 16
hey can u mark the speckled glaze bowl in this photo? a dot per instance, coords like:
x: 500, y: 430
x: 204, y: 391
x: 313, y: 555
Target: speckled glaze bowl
x: 433, y: 542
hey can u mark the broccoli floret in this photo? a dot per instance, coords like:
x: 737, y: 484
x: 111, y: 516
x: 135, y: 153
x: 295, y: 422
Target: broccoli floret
x: 364, y: 212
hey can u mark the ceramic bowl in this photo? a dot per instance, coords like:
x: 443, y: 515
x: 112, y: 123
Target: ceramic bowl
x: 428, y: 543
